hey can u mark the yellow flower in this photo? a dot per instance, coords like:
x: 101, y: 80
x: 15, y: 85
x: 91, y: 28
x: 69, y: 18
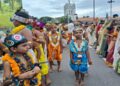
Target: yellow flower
x: 17, y: 29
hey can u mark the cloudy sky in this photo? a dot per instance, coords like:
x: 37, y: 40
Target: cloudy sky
x: 55, y: 8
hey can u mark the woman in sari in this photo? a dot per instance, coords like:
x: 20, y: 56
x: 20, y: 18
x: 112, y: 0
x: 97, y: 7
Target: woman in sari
x: 102, y: 38
x: 109, y: 58
x: 116, y: 54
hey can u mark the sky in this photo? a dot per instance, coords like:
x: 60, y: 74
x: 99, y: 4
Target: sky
x: 55, y: 8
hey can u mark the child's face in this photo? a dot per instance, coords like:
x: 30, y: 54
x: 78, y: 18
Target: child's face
x: 22, y: 48
x: 15, y: 22
x: 53, y: 28
x: 78, y: 33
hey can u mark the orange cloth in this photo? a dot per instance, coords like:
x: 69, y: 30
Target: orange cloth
x: 14, y: 66
x: 16, y: 70
x: 115, y: 34
x: 54, y: 47
x: 54, y: 53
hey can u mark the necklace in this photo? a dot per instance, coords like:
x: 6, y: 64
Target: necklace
x: 17, y: 29
x: 78, y: 44
x: 54, y: 38
x: 29, y: 67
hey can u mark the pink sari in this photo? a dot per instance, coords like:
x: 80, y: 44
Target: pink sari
x: 109, y: 58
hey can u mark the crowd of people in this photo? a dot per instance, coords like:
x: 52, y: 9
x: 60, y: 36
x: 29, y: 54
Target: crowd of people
x: 30, y: 49
x: 108, y: 42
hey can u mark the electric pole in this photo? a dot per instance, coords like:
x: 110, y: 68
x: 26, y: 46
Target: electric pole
x: 93, y: 9
x: 111, y: 2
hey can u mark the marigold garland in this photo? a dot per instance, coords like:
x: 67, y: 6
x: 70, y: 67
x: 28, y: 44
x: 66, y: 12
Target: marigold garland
x: 51, y: 41
x: 17, y: 29
x: 15, y: 68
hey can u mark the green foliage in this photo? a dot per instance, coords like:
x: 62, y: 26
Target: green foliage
x: 5, y: 20
x: 6, y: 1
x: 46, y: 19
x: 64, y: 19
x: 8, y: 7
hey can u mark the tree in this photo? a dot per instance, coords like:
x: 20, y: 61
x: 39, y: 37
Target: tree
x: 11, y: 4
x: 6, y: 1
x: 0, y: 5
x: 8, y: 9
x: 46, y: 19
x: 20, y: 2
x: 65, y: 19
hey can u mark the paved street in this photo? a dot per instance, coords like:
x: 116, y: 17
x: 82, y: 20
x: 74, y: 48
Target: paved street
x: 99, y: 73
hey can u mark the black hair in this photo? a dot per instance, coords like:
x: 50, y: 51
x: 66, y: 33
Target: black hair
x: 21, y: 12
x: 23, y: 41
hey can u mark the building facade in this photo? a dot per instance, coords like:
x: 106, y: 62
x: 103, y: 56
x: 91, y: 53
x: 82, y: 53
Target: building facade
x: 70, y: 10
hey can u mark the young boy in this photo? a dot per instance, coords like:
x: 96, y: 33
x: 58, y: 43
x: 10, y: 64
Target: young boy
x: 40, y: 39
x: 54, y: 48
x: 19, y: 68
x: 79, y: 56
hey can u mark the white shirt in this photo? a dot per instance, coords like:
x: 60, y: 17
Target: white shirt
x: 70, y: 27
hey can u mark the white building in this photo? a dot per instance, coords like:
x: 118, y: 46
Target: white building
x: 70, y: 10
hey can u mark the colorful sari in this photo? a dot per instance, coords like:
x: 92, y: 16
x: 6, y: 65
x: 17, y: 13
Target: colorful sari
x: 109, y: 58
x: 103, y: 38
x: 116, y: 55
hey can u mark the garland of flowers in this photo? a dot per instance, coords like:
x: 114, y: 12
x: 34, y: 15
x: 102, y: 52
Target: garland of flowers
x: 13, y: 64
x: 17, y: 29
x: 51, y: 41
x: 30, y: 66
x: 22, y: 66
x: 18, y: 67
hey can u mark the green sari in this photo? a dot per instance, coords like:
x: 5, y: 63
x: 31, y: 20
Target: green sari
x: 103, y: 38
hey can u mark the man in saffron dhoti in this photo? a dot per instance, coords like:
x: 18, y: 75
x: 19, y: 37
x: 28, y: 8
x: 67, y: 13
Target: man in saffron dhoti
x: 54, y: 47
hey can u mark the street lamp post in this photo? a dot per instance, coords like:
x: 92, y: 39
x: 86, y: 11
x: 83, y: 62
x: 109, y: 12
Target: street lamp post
x: 110, y: 2
x: 93, y: 9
